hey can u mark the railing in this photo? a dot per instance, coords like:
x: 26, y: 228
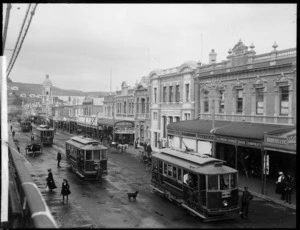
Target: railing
x: 262, y: 57
x: 287, y: 53
x: 34, y: 210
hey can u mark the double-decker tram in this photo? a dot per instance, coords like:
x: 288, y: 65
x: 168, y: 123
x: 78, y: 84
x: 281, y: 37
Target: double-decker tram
x: 85, y: 155
x: 44, y: 134
x: 25, y: 125
x: 199, y: 183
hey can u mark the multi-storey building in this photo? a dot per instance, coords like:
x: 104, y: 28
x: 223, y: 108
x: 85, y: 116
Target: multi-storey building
x: 172, y: 99
x: 239, y: 102
x: 142, y: 110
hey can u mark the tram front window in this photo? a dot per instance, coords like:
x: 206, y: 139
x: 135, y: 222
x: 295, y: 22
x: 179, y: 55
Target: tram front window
x: 224, y: 182
x: 213, y: 182
x: 88, y: 155
x: 96, y: 154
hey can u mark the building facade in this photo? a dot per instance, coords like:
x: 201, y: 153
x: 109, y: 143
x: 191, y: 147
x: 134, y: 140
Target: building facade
x: 172, y: 99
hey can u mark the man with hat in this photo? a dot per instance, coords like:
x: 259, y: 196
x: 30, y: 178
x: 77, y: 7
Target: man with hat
x: 50, y: 181
x: 58, y: 158
x: 246, y: 197
x: 280, y: 185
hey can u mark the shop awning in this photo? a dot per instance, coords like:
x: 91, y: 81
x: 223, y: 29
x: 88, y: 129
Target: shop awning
x: 281, y: 141
x: 116, y: 122
x: 248, y: 130
x: 196, y: 126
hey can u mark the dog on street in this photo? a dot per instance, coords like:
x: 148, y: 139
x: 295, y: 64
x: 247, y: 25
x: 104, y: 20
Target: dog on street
x: 132, y: 195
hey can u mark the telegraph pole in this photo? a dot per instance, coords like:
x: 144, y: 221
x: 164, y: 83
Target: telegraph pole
x: 6, y: 25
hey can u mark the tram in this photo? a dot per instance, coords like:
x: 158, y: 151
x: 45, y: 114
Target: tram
x: 44, y: 134
x: 25, y: 125
x: 84, y: 155
x: 198, y: 183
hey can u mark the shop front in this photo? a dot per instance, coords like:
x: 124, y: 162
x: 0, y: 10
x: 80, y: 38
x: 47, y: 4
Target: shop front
x: 280, y: 150
x: 241, y: 146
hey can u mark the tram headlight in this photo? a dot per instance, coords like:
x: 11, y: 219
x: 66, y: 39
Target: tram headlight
x: 225, y: 203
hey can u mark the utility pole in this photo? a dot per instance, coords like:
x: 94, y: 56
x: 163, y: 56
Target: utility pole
x: 6, y: 25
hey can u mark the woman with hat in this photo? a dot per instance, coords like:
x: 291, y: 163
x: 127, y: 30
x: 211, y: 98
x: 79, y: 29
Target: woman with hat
x: 65, y: 189
x: 50, y: 181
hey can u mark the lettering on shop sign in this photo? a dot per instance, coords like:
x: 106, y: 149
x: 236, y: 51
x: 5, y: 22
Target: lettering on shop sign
x: 291, y: 139
x: 241, y: 142
x: 170, y: 112
x: 205, y: 137
x: 276, y: 140
x: 253, y: 143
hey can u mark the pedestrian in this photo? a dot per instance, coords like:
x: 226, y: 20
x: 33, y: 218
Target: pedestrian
x: 32, y: 137
x: 18, y: 147
x: 289, y: 183
x: 65, y: 190
x: 148, y: 150
x: 13, y: 133
x: 58, y: 158
x: 136, y: 143
x: 246, y: 197
x: 280, y: 184
x: 99, y: 172
x: 50, y: 181
x: 11, y: 128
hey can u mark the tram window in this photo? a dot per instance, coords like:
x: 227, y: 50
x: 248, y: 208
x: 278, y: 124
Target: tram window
x: 233, y: 180
x: 96, y: 154
x: 165, y: 168
x: 185, y: 177
x: 160, y: 167
x: 174, y: 172
x: 179, y: 175
x: 213, y: 182
x: 104, y: 154
x: 224, y: 181
x: 202, y: 182
x: 193, y: 180
x: 169, y: 170
x: 88, y: 155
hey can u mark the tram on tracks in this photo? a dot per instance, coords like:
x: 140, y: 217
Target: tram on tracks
x: 25, y: 125
x: 198, y: 183
x: 44, y: 134
x: 85, y: 155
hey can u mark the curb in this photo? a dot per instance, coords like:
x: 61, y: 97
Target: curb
x: 268, y: 198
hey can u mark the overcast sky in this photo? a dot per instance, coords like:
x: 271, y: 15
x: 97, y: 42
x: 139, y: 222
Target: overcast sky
x: 81, y: 45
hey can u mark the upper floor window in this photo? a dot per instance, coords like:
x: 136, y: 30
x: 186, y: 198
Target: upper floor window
x: 170, y: 93
x: 206, y: 102
x: 154, y: 115
x: 143, y: 105
x: 155, y: 95
x: 125, y: 106
x: 164, y: 94
x: 259, y: 101
x: 177, y: 119
x: 221, y: 102
x: 239, y: 101
x: 177, y: 93
x: 284, y: 100
x: 187, y: 92
x: 171, y: 119
x: 137, y: 105
x: 147, y: 106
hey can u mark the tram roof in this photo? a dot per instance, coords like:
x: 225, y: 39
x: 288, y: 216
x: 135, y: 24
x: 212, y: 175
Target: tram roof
x: 85, y: 143
x: 42, y: 127
x: 195, y: 163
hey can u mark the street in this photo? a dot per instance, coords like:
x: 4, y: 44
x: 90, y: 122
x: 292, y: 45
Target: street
x: 106, y: 205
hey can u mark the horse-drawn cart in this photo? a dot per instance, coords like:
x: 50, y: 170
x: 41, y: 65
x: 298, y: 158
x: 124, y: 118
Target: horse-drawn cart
x: 33, y: 148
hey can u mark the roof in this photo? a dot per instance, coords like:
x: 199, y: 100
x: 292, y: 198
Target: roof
x: 41, y: 127
x: 196, y: 126
x: 248, y: 130
x: 85, y: 143
x: 111, y: 122
x: 196, y: 164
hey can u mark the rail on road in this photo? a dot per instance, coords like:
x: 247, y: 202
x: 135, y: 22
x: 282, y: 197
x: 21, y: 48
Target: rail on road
x: 27, y: 207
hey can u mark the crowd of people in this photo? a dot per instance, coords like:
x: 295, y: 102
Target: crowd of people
x: 284, y: 186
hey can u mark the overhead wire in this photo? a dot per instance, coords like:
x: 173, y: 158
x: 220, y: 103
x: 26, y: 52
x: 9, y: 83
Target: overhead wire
x: 32, y: 13
x: 20, y: 33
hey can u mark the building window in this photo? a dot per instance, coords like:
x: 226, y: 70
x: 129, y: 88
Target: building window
x: 171, y: 119
x: 164, y: 94
x: 124, y: 106
x: 154, y: 115
x: 148, y: 104
x: 155, y: 95
x: 187, y: 116
x: 259, y: 101
x: 177, y: 93
x: 221, y: 102
x: 170, y: 93
x: 137, y: 105
x: 206, y: 102
x: 177, y: 119
x: 284, y: 100
x: 239, y: 101
x: 187, y: 92
x: 143, y: 105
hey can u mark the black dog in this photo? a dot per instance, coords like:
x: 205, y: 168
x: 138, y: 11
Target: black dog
x: 133, y: 195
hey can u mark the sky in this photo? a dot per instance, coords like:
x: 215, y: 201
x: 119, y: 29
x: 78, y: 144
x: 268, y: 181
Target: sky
x: 83, y: 46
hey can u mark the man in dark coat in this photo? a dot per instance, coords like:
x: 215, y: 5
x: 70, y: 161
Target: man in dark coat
x: 58, y: 158
x: 50, y: 181
x: 148, y: 149
x: 246, y: 197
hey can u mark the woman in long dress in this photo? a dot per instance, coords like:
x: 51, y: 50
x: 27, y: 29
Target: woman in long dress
x: 65, y: 190
x: 50, y: 181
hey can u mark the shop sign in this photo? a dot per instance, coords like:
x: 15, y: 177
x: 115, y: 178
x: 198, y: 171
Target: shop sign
x: 228, y: 140
x: 251, y: 143
x: 170, y: 113
x: 266, y: 165
x: 275, y: 140
x: 206, y: 137
x: 291, y: 140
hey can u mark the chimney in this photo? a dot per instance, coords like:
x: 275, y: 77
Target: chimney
x: 212, y: 57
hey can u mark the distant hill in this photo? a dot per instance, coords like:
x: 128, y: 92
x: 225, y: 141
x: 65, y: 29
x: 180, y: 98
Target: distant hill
x: 29, y: 88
